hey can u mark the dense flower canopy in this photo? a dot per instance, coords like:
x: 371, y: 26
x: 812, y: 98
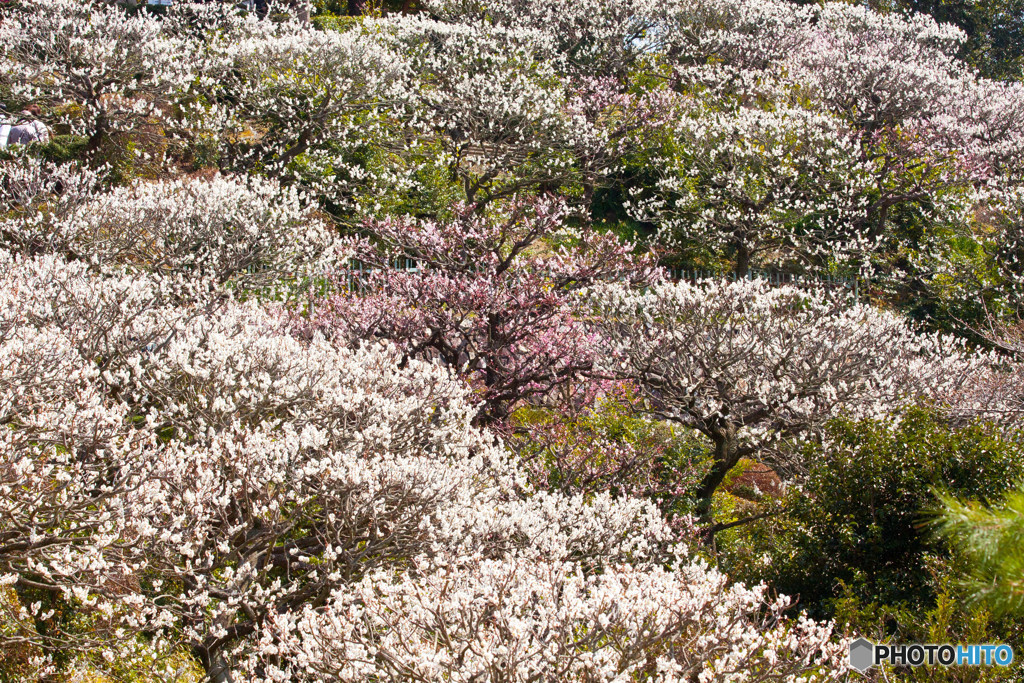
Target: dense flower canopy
x: 344, y: 350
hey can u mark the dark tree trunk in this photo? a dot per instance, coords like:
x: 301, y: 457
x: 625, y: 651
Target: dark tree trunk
x: 98, y: 135
x: 742, y: 259
x: 217, y: 670
x: 726, y: 457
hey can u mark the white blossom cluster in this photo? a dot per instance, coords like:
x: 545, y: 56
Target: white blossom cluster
x: 192, y: 235
x: 747, y: 364
x: 107, y: 70
x: 519, y: 621
x: 742, y: 178
x: 294, y: 102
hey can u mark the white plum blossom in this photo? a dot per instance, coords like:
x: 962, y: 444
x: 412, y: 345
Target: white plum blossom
x: 741, y: 180
x: 102, y: 70
x: 747, y: 365
x: 512, y: 620
x: 294, y: 102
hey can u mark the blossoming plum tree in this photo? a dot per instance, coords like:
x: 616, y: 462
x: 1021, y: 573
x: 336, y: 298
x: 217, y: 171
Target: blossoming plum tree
x: 585, y: 37
x: 480, y: 622
x: 101, y: 69
x: 493, y: 102
x: 195, y: 235
x: 489, y: 297
x: 758, y: 184
x: 70, y: 470
x: 289, y: 101
x: 747, y: 365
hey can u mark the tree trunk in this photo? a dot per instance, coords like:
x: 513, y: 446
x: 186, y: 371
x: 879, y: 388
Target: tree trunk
x: 97, y: 136
x: 588, y: 197
x: 726, y: 457
x: 742, y: 259
x: 217, y: 670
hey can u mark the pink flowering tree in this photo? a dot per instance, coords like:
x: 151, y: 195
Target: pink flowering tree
x: 489, y: 297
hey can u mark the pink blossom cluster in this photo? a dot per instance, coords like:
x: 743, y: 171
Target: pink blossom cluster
x: 489, y: 297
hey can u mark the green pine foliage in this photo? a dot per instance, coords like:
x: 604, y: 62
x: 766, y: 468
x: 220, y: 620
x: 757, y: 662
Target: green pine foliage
x: 992, y: 537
